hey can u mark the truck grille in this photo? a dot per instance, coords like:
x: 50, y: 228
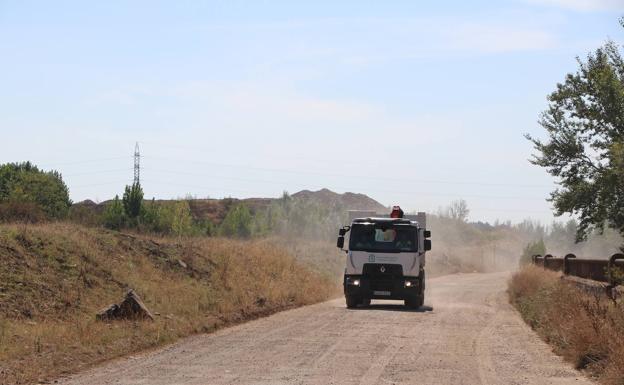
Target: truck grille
x: 382, y: 276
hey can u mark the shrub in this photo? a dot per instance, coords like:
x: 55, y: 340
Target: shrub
x: 181, y: 219
x: 23, y: 185
x: 586, y: 330
x: 133, y: 201
x: 172, y: 218
x: 237, y: 222
x: 84, y: 215
x: 21, y: 211
x: 531, y: 249
x: 204, y: 227
x: 114, y: 216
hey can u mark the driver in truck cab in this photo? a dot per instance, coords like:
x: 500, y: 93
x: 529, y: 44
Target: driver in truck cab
x: 403, y: 241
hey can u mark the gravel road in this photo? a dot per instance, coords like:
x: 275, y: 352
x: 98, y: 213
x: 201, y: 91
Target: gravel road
x: 466, y: 334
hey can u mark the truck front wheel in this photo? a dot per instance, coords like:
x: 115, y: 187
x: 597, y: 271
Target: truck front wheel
x: 352, y: 301
x: 415, y: 303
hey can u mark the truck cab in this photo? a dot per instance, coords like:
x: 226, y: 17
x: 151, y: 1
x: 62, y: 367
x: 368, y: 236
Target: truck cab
x: 385, y: 257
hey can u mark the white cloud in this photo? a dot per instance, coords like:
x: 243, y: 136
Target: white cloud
x: 583, y: 5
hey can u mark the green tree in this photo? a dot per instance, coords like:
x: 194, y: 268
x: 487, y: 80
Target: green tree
x: 23, y: 183
x: 133, y: 201
x: 182, y: 221
x: 203, y: 227
x: 585, y: 146
x: 149, y: 216
x: 237, y: 222
x: 114, y: 216
x: 531, y: 249
x: 172, y: 218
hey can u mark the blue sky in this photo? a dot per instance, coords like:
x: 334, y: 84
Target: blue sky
x: 411, y: 103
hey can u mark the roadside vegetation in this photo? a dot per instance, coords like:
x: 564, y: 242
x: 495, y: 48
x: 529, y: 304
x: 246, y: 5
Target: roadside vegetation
x: 54, y: 277
x: 583, y: 150
x: 587, y: 330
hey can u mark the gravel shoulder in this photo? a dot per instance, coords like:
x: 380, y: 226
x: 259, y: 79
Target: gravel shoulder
x: 466, y: 334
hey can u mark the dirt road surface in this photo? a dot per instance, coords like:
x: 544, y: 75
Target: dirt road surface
x: 466, y: 334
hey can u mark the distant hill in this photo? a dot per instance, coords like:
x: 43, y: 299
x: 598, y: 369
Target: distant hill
x: 348, y: 200
x: 216, y: 209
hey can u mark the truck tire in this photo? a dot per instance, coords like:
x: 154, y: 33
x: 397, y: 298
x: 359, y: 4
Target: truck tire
x: 352, y: 301
x: 421, y: 297
x: 420, y: 300
x: 415, y: 303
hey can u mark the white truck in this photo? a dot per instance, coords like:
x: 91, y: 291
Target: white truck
x: 385, y: 257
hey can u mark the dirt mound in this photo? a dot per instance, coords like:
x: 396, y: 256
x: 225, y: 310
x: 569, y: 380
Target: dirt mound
x: 348, y: 200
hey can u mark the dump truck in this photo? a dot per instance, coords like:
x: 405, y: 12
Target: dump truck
x: 385, y: 257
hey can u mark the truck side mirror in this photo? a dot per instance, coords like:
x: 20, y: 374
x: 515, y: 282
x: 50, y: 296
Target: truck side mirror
x: 340, y: 242
x: 342, y: 232
x: 427, y: 244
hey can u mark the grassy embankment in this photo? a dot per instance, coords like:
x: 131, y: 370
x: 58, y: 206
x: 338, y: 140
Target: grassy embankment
x: 587, y: 331
x: 55, y: 277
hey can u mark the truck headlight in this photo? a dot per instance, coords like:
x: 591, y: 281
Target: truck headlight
x: 353, y: 281
x: 408, y: 283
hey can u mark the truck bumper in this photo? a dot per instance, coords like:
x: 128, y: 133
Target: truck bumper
x: 400, y: 288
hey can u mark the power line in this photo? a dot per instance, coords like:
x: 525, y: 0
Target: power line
x: 51, y: 165
x: 96, y: 172
x: 367, y: 177
x: 137, y: 157
x: 97, y: 184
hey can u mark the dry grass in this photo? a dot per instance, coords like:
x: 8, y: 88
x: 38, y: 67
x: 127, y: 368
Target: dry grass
x: 321, y: 256
x: 586, y: 330
x: 55, y: 277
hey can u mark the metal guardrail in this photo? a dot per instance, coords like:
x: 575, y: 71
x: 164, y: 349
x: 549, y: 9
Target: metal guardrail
x: 610, y: 270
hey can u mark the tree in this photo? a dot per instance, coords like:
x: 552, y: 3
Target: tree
x: 133, y: 201
x: 531, y: 249
x: 585, y: 147
x: 458, y: 210
x: 23, y: 184
x: 114, y: 216
x: 182, y: 223
x: 237, y: 222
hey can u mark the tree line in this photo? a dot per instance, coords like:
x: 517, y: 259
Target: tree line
x: 29, y: 194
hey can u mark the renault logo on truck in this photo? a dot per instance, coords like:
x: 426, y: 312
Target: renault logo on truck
x: 382, y: 269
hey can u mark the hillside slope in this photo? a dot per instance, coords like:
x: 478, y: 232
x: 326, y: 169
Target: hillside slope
x: 55, y: 277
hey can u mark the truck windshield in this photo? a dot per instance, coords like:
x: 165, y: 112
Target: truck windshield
x: 383, y: 238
